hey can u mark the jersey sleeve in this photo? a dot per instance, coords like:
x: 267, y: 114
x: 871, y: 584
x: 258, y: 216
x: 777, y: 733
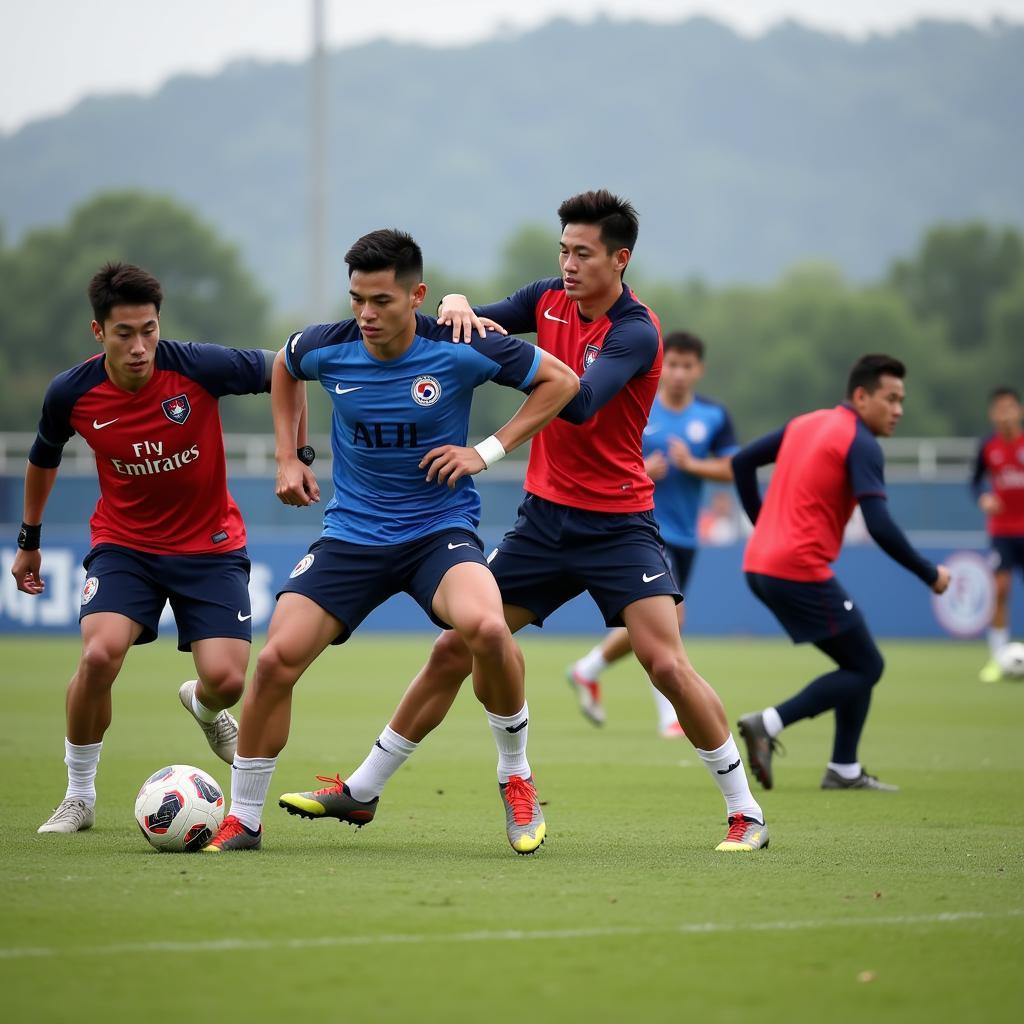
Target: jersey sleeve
x: 223, y: 370
x: 518, y: 313
x: 865, y: 465
x: 55, y: 428
x: 629, y: 350
x: 891, y: 539
x: 302, y: 354
x: 979, y: 471
x: 724, y: 440
x: 745, y: 463
x: 502, y: 358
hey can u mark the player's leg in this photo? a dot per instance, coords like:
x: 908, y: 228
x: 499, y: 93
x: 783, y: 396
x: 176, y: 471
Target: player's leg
x: 220, y: 663
x: 998, y: 635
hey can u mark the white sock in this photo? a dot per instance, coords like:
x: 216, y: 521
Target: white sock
x: 250, y: 781
x: 772, y: 722
x: 726, y: 768
x: 200, y: 710
x: 510, y: 739
x: 998, y: 638
x: 666, y: 713
x: 82, y: 761
x: 847, y: 771
x: 591, y: 665
x: 386, y: 756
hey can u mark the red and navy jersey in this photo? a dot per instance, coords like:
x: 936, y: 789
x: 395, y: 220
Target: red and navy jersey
x: 591, y: 457
x: 159, y: 450
x: 827, y: 461
x: 1003, y: 462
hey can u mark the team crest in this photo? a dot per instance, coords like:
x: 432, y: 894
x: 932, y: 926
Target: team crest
x: 303, y: 564
x: 696, y: 431
x: 176, y: 409
x: 590, y: 353
x: 426, y: 390
x: 92, y: 584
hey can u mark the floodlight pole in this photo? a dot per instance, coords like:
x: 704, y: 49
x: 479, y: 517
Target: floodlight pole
x: 318, y: 169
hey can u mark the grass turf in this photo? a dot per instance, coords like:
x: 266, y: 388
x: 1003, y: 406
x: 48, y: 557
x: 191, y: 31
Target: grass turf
x: 905, y: 906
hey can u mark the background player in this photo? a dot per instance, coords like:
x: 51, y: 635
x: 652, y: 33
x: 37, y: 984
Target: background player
x: 826, y: 462
x: 1001, y: 459
x: 586, y: 522
x: 165, y: 527
x: 403, y: 518
x: 688, y: 439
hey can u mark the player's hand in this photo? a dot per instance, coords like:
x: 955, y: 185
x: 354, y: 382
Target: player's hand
x: 25, y: 570
x: 941, y: 583
x: 296, y: 483
x: 656, y: 466
x: 450, y: 463
x: 457, y: 313
x: 679, y: 454
x: 990, y: 504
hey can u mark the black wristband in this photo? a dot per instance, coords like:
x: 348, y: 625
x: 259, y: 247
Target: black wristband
x: 306, y: 454
x: 28, y: 537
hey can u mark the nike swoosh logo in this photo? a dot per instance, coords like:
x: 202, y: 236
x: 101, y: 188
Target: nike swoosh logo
x: 244, y: 618
x: 452, y: 547
x: 100, y: 426
x: 377, y: 743
x: 517, y: 728
x: 651, y: 579
x: 731, y: 768
x: 548, y: 316
x: 339, y: 390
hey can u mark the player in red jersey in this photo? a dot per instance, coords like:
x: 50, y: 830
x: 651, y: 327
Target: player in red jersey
x: 1001, y: 459
x: 826, y: 463
x: 586, y: 523
x: 165, y: 527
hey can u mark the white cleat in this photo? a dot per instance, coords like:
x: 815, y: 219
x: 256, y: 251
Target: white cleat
x: 221, y: 733
x: 588, y: 693
x: 73, y: 815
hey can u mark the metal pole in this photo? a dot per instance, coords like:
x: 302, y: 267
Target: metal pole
x: 318, y: 299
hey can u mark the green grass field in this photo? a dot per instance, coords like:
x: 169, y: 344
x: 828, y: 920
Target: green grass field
x: 902, y: 907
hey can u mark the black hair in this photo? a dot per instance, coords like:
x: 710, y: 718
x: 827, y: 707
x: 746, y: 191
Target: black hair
x: 684, y: 341
x: 122, y: 284
x: 997, y: 393
x: 386, y: 249
x: 869, y: 370
x: 616, y: 217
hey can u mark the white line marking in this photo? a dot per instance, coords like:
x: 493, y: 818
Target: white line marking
x: 334, y: 941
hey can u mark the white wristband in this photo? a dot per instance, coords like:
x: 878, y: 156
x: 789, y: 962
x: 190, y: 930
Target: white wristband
x: 490, y: 449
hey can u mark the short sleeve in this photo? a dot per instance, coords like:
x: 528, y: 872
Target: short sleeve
x: 724, y: 440
x: 505, y: 359
x: 302, y: 354
x: 219, y: 369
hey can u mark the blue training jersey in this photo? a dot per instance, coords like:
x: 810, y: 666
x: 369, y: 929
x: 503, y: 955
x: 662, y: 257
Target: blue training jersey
x: 389, y: 413
x: 707, y: 430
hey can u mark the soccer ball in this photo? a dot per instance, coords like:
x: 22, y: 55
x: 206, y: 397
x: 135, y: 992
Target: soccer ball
x: 179, y: 808
x: 1011, y: 661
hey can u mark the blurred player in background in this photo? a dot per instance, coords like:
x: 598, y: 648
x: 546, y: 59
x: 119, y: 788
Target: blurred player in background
x: 826, y: 462
x: 1001, y: 459
x: 402, y: 519
x: 165, y: 527
x: 688, y: 439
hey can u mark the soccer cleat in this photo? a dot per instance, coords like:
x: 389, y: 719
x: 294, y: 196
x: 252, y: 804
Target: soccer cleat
x: 524, y: 820
x: 745, y: 834
x: 991, y: 673
x: 833, y: 780
x: 233, y: 835
x: 672, y: 731
x: 588, y: 693
x: 221, y: 733
x: 73, y: 815
x: 333, y: 801
x: 760, y: 747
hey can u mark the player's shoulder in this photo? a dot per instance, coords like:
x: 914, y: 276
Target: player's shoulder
x: 320, y: 335
x: 629, y: 314
x: 709, y: 406
x: 186, y: 356
x: 864, y: 442
x: 72, y: 383
x: 987, y: 442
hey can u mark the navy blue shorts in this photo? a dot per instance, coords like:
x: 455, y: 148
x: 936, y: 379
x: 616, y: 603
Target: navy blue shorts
x: 681, y: 560
x: 555, y: 552
x: 1009, y: 554
x: 349, y: 580
x: 808, y: 612
x: 209, y: 594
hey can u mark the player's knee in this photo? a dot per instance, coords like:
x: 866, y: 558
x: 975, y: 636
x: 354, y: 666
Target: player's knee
x: 668, y: 671
x: 451, y: 656
x: 275, y: 668
x: 228, y: 682
x: 874, y: 666
x: 101, y: 661
x: 487, y: 636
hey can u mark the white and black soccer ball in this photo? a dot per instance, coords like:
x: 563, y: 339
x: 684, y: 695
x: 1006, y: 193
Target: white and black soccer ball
x: 1011, y: 661
x: 179, y: 808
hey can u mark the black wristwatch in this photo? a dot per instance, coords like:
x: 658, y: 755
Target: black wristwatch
x: 306, y: 454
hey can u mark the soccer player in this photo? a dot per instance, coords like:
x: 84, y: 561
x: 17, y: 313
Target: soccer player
x: 1001, y: 458
x: 165, y: 527
x: 403, y: 518
x: 826, y: 463
x: 688, y: 439
x: 586, y: 522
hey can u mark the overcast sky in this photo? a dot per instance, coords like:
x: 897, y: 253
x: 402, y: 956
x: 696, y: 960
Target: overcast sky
x: 54, y: 52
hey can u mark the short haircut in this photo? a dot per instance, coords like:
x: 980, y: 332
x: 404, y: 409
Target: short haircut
x: 616, y: 217
x: 386, y: 249
x: 998, y: 393
x: 122, y: 284
x: 684, y: 341
x: 868, y: 372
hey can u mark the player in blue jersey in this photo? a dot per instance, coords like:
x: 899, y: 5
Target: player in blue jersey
x: 688, y: 439
x: 403, y: 518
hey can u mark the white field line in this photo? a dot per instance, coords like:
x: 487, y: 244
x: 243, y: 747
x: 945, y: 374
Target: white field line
x: 242, y: 945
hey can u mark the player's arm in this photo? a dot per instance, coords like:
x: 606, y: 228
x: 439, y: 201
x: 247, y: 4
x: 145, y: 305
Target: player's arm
x: 745, y: 464
x: 296, y: 483
x: 718, y: 465
x: 988, y: 502
x: 516, y: 314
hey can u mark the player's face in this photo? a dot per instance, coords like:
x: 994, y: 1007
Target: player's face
x: 680, y: 372
x: 589, y: 270
x: 882, y: 408
x: 1005, y: 414
x: 385, y: 310
x: 129, y: 336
